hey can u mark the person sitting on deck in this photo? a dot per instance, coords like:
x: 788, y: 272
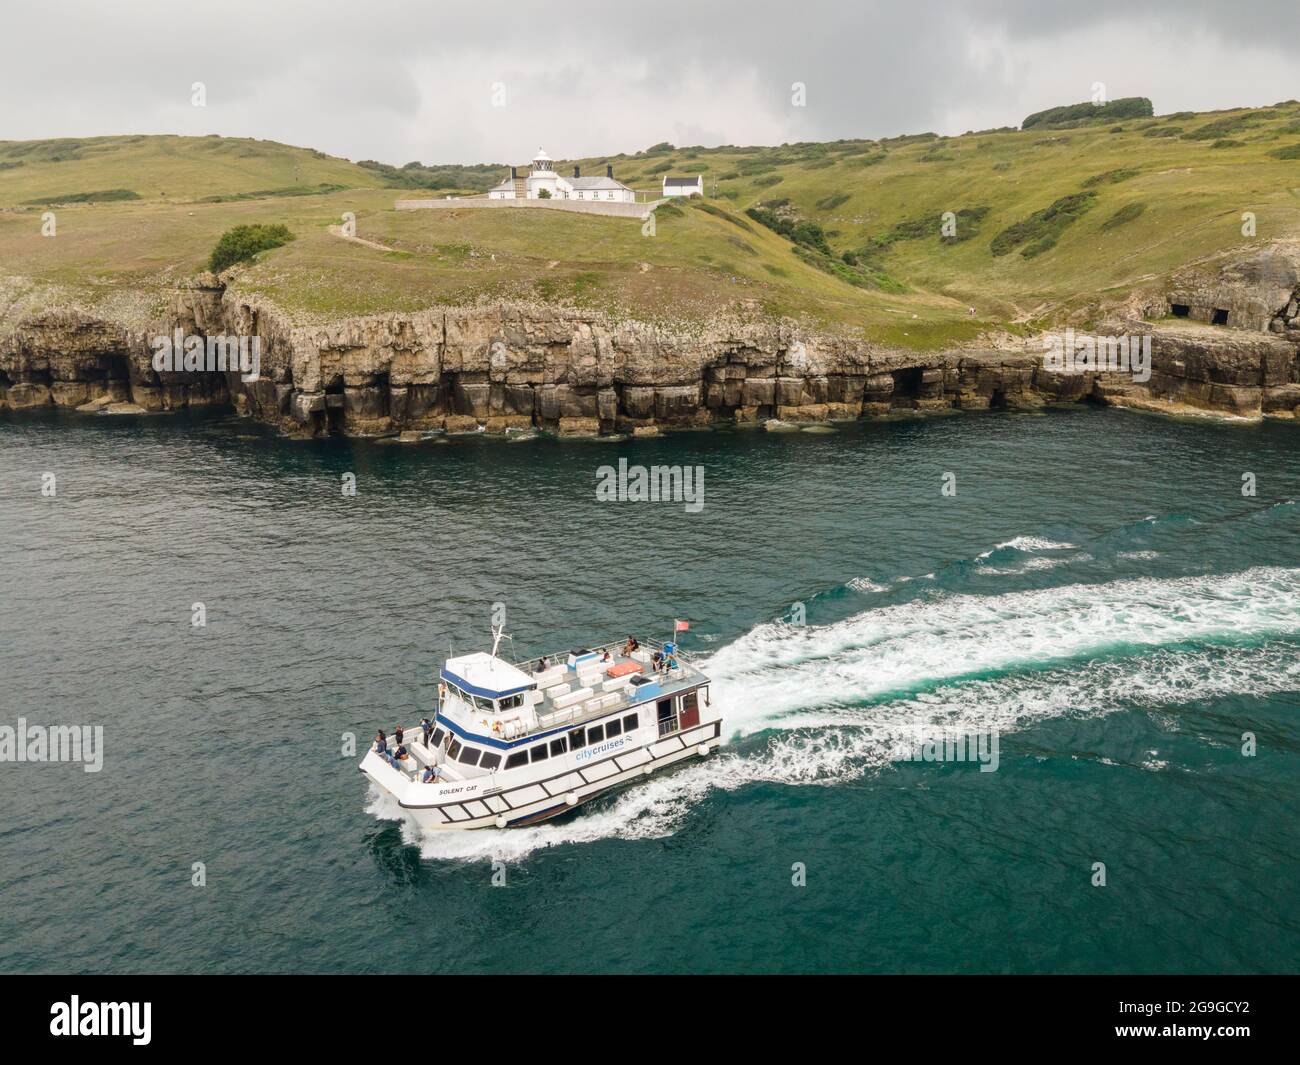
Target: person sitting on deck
x: 656, y: 660
x: 541, y: 665
x: 630, y: 646
x: 397, y: 757
x: 430, y: 775
x: 605, y: 656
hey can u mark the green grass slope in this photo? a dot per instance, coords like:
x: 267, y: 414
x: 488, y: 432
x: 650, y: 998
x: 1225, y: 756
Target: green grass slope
x: 1172, y: 188
x: 1045, y: 220
x: 164, y: 167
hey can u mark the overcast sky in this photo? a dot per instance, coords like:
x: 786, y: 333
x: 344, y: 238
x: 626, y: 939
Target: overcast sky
x: 398, y: 81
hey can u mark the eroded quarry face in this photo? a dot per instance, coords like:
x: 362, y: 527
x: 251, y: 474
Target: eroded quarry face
x: 1259, y: 292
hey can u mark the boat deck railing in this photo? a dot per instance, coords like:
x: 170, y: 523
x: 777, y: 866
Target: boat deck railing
x: 608, y: 699
x: 616, y: 695
x: 615, y: 648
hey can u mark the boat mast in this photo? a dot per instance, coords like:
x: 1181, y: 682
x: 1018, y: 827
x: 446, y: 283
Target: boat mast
x: 498, y: 633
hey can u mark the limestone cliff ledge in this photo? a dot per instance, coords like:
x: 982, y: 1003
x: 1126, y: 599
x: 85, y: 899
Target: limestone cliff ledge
x: 578, y: 372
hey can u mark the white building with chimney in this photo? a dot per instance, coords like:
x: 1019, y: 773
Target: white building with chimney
x: 543, y: 176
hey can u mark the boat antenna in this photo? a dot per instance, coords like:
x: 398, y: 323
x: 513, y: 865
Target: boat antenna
x: 498, y: 634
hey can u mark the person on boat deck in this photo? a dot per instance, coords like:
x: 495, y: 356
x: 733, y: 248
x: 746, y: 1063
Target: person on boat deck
x: 630, y: 646
x: 398, y: 757
x: 430, y: 775
x: 605, y: 656
x: 381, y: 742
x: 426, y: 726
x: 541, y: 665
x: 656, y: 659
x: 397, y: 735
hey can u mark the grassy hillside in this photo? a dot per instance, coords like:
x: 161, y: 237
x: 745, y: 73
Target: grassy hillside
x: 158, y: 168
x: 1045, y: 219
x: 1178, y: 184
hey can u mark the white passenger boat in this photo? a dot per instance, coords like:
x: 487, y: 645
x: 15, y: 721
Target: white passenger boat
x: 515, y: 744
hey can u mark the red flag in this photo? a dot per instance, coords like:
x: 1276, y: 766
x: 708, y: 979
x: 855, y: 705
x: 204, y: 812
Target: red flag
x: 682, y: 626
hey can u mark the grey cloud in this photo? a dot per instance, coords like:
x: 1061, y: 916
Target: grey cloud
x: 386, y: 79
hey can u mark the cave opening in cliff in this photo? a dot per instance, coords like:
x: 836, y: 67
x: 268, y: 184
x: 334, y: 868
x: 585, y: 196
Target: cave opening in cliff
x: 907, y: 385
x: 998, y: 401
x: 1179, y: 310
x: 334, y: 406
x: 384, y: 396
x: 115, y: 368
x: 1220, y: 316
x: 446, y: 393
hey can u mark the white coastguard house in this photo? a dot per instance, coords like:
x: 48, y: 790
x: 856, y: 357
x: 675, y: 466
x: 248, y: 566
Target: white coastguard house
x: 542, y: 176
x: 684, y: 186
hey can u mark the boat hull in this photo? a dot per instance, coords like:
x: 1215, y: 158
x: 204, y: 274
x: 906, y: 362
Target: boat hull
x: 493, y: 802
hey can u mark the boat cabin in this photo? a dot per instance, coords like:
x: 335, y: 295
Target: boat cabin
x: 494, y: 715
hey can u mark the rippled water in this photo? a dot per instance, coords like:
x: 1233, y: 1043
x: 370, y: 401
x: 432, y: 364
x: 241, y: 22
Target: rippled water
x: 1098, y: 591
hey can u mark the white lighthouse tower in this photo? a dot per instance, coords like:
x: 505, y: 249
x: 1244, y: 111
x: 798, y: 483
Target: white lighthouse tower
x: 543, y: 176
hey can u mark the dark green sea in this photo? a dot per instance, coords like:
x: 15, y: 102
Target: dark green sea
x: 1098, y: 592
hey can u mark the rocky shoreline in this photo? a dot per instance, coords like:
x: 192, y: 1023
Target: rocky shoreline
x: 578, y: 373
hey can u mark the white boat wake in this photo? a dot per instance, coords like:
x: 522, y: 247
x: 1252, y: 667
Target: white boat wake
x: 826, y: 704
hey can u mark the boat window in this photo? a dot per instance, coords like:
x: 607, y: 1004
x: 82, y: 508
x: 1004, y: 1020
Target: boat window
x: 438, y: 735
x: 517, y: 759
x: 577, y: 739
x: 490, y: 760
x: 596, y: 733
x: 469, y: 756
x: 483, y: 704
x: 613, y: 728
x: 454, y: 749
x: 539, y: 752
x: 629, y: 722
x: 557, y: 747
x: 510, y: 702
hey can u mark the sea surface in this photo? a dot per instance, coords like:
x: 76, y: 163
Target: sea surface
x: 1098, y: 594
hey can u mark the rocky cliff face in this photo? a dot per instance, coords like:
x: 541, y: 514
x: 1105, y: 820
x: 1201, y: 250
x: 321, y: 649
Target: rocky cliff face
x: 513, y: 367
